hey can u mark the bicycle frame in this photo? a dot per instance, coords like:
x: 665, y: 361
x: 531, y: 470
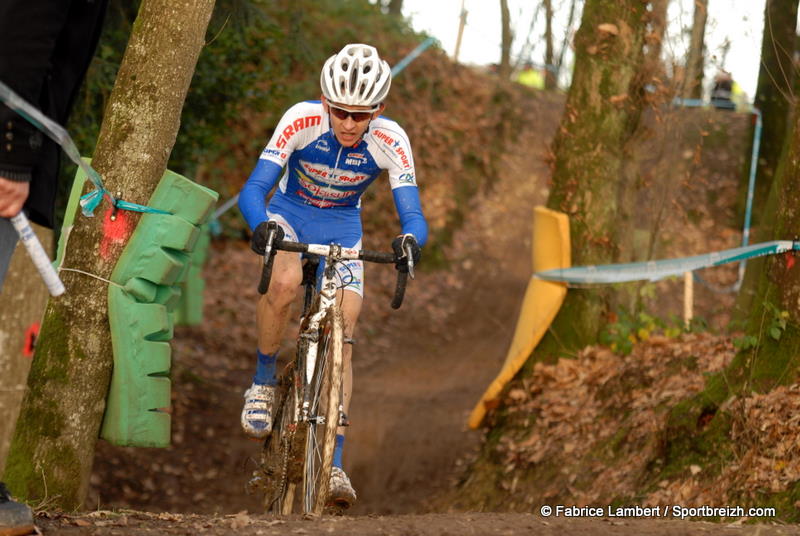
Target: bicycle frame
x: 327, y: 300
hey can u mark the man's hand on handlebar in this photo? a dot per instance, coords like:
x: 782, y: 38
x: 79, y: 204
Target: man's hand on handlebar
x: 402, y: 246
x: 258, y: 242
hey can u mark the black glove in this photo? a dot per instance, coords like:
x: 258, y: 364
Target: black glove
x: 399, y: 246
x: 258, y: 242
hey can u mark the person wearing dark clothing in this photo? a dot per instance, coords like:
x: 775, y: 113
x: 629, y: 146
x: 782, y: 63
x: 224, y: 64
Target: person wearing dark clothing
x: 723, y: 91
x: 45, y: 49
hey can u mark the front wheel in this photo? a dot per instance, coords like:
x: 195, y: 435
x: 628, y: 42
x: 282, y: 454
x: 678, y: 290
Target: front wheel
x: 282, y: 455
x: 324, y: 413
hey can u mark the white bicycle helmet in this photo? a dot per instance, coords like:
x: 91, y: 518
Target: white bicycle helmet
x: 356, y: 76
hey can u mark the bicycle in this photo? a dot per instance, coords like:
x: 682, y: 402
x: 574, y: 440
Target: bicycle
x: 308, y: 408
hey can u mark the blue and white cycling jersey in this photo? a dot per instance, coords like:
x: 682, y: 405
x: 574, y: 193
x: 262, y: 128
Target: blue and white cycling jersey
x: 321, y: 173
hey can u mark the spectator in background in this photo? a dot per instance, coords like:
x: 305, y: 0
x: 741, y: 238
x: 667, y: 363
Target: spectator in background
x: 530, y: 77
x: 45, y: 49
x: 722, y: 93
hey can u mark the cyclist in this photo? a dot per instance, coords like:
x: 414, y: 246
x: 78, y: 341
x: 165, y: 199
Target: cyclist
x: 332, y: 150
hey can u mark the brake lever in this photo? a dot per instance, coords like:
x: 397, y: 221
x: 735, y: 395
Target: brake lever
x: 410, y: 257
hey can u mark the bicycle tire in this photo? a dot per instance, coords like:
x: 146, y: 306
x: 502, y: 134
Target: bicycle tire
x: 326, y: 393
x: 282, y: 457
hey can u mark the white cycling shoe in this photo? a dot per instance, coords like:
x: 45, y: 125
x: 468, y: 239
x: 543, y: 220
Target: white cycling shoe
x: 341, y: 493
x: 258, y: 409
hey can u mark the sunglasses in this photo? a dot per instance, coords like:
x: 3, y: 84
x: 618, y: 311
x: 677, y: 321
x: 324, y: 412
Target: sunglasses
x: 358, y: 117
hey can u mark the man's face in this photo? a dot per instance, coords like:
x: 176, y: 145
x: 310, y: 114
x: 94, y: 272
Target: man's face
x: 350, y: 122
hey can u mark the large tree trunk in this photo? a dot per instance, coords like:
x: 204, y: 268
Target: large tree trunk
x: 774, y: 91
x: 53, y: 445
x: 23, y: 302
x: 601, y: 114
x: 549, y: 60
x: 693, y: 81
x: 506, y: 38
x: 774, y: 99
x: 775, y: 313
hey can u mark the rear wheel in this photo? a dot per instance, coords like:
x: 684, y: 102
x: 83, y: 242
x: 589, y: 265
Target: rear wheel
x: 326, y: 395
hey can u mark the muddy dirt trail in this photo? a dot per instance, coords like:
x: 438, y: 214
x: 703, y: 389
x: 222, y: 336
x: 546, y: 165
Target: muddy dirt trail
x: 468, y: 524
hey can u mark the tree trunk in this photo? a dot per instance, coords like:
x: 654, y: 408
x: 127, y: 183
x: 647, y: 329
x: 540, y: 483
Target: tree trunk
x: 774, y: 98
x: 775, y: 314
x: 53, y: 445
x: 774, y: 91
x: 23, y: 301
x: 601, y: 114
x: 693, y: 81
x: 549, y: 61
x: 395, y: 7
x: 505, y: 46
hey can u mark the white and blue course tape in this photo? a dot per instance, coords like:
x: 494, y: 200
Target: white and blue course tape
x: 59, y: 135
x: 655, y: 270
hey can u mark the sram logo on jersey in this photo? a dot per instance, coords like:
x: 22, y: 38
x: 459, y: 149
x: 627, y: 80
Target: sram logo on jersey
x: 396, y: 147
x: 297, y: 125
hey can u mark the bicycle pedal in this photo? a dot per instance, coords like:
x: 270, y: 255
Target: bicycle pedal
x: 349, y: 340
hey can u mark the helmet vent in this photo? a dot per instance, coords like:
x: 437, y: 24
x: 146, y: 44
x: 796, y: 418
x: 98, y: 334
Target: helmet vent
x: 353, y: 79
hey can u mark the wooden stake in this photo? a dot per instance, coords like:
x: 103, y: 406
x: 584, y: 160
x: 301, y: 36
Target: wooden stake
x: 688, y: 298
x: 462, y: 22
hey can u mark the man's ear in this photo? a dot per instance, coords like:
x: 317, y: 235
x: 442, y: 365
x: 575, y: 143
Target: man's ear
x: 379, y: 111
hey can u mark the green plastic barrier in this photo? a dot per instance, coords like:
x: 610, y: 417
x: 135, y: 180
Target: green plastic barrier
x: 189, y: 311
x: 156, y: 258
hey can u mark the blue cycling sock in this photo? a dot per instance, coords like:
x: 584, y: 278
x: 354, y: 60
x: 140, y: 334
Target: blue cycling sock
x: 337, y: 451
x: 265, y: 369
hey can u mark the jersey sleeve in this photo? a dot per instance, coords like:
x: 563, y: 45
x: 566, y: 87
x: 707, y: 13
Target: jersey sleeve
x: 394, y: 152
x: 253, y: 197
x: 287, y: 137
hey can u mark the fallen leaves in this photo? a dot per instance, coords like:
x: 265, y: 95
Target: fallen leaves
x: 597, y: 417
